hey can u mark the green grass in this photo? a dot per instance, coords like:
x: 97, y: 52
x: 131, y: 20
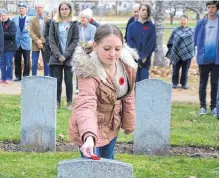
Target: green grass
x: 187, y: 127
x: 44, y: 165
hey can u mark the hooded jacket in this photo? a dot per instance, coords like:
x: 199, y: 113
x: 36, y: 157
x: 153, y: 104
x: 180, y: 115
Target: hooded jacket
x: 98, y: 112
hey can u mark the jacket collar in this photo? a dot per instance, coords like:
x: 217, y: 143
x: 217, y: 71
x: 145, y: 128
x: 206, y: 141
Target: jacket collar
x: 89, y: 65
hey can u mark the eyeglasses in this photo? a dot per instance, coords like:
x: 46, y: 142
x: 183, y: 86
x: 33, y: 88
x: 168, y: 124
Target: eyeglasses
x: 64, y: 9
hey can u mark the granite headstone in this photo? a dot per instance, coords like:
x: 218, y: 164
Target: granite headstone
x: 87, y: 168
x: 38, y: 113
x: 153, y: 110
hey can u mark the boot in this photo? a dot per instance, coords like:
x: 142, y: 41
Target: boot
x: 69, y: 106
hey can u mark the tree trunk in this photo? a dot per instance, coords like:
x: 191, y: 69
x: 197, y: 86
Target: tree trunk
x: 159, y: 59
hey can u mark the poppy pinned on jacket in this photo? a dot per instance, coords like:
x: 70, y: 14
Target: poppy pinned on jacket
x: 5, y: 26
x: 121, y: 81
x: 145, y: 27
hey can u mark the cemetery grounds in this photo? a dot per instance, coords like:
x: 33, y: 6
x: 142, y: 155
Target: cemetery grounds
x: 194, y: 140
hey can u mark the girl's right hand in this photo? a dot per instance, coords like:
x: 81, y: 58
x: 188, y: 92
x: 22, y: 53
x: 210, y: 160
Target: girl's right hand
x: 88, y: 147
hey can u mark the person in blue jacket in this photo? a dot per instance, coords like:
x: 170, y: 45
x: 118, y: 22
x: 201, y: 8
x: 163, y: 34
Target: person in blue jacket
x: 24, y: 42
x: 142, y: 36
x: 206, y: 39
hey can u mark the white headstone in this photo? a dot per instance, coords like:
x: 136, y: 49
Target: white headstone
x: 87, y: 168
x: 38, y: 113
x: 153, y: 110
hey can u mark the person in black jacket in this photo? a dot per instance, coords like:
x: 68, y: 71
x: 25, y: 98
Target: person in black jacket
x: 10, y: 47
x: 63, y: 39
x: 47, y: 50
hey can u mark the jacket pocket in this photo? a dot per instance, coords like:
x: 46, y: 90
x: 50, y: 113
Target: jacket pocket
x: 117, y: 118
x: 106, y: 95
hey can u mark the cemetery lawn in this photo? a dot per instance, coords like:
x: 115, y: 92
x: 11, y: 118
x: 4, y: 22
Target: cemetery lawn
x: 44, y: 165
x: 187, y: 127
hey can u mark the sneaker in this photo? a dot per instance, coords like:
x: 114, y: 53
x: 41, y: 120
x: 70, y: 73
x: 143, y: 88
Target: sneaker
x: 185, y: 87
x: 69, y: 106
x: 8, y: 81
x: 214, y: 111
x: 17, y: 79
x: 175, y: 86
x: 202, y: 111
x: 77, y: 91
x: 2, y: 81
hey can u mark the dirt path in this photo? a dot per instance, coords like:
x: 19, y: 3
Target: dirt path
x: 179, y: 94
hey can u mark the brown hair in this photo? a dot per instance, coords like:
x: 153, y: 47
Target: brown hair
x: 103, y: 31
x: 148, y: 8
x: 213, y: 3
x: 58, y: 15
x: 106, y: 30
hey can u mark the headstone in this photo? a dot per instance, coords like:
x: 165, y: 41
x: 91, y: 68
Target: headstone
x: 153, y: 111
x: 38, y: 113
x: 87, y: 168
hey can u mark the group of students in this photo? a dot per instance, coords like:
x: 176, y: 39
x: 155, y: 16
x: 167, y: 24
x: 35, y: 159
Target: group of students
x: 107, y: 70
x: 184, y: 45
x: 55, y: 37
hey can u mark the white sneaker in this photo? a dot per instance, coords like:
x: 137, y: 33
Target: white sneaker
x: 202, y: 111
x: 214, y: 111
x: 77, y: 91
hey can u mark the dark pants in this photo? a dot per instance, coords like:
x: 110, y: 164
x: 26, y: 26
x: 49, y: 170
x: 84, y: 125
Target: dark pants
x: 56, y: 71
x: 184, y: 75
x: 204, y: 71
x: 143, y: 72
x: 18, y: 58
x: 106, y: 151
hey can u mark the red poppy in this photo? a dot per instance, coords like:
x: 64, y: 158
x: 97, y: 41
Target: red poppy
x: 121, y: 81
x: 67, y: 28
x: 95, y: 157
x: 5, y: 26
x: 145, y: 27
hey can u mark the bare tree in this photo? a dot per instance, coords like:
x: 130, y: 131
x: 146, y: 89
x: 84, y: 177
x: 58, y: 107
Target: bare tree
x: 159, y: 59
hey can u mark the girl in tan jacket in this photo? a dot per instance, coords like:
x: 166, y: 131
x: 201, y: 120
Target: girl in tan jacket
x: 106, y: 99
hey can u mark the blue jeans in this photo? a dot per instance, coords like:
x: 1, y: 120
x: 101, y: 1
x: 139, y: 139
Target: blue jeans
x: 35, y: 57
x: 6, y: 65
x: 106, y: 151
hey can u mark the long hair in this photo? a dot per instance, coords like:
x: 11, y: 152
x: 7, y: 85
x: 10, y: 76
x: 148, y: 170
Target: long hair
x: 58, y: 17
